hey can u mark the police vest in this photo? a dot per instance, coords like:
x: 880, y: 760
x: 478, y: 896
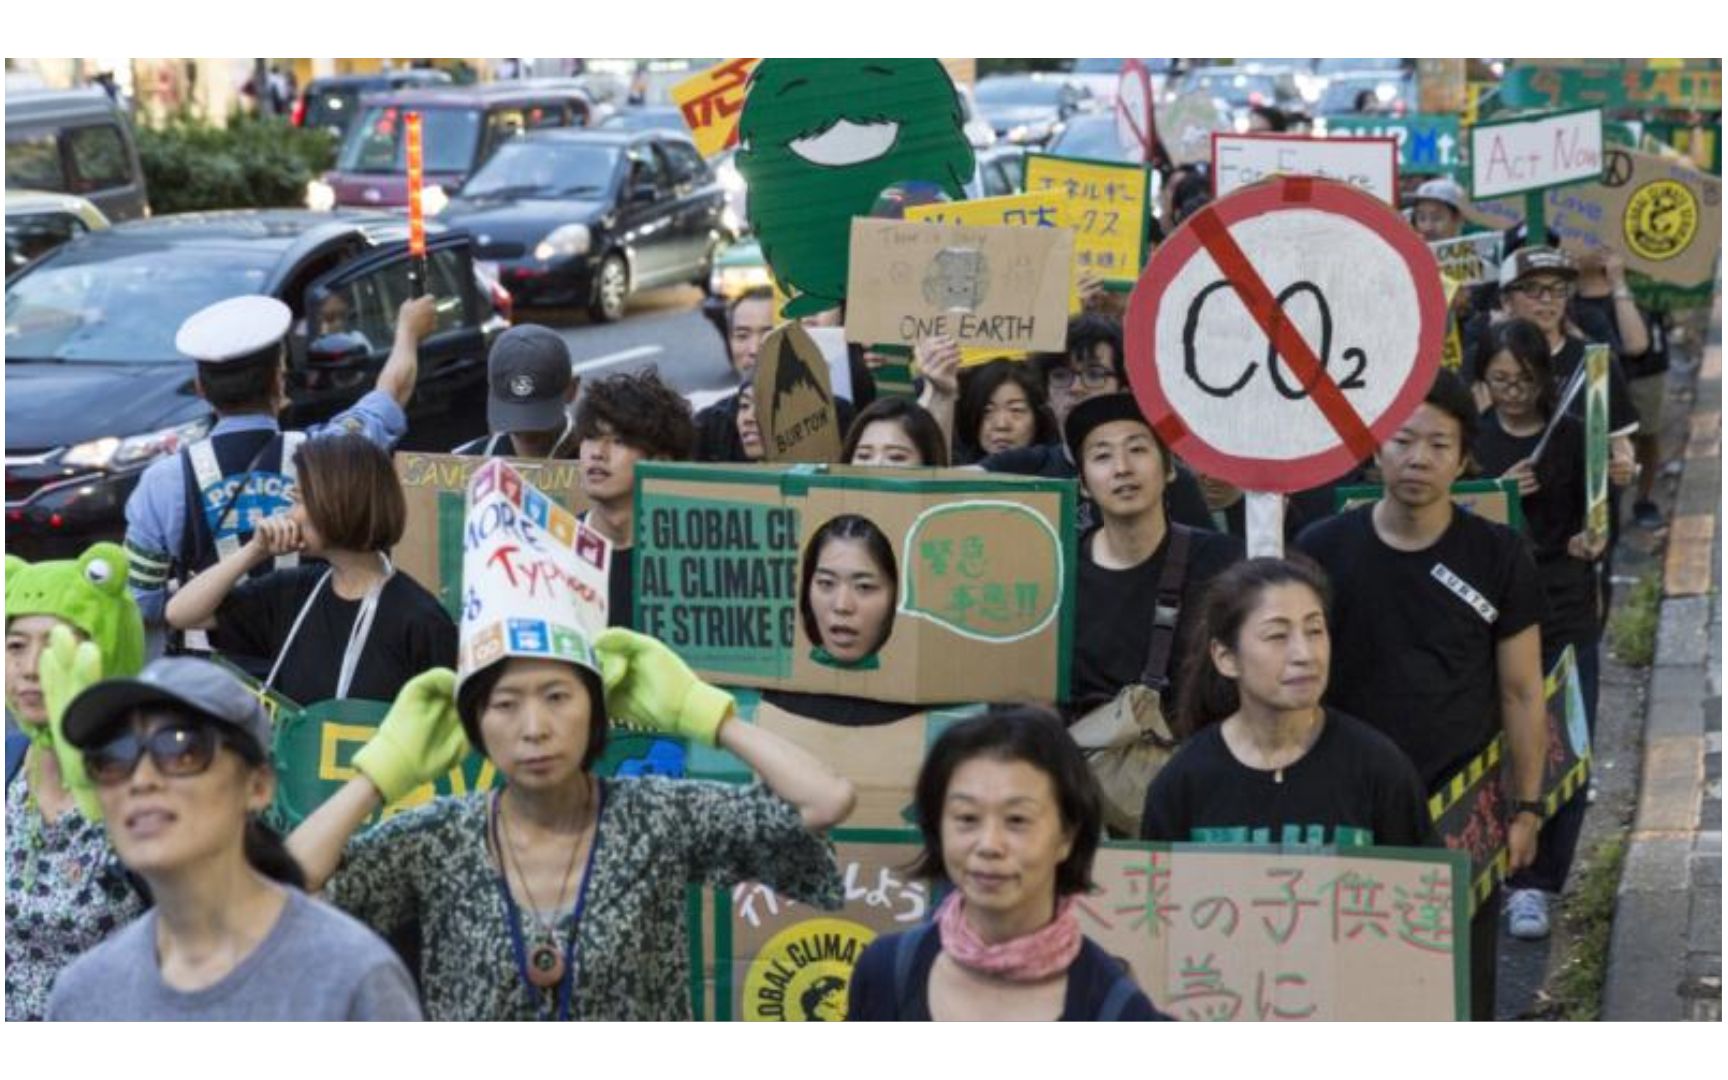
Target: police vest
x: 232, y: 482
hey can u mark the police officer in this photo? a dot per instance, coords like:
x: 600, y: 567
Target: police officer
x: 191, y: 509
x: 531, y: 384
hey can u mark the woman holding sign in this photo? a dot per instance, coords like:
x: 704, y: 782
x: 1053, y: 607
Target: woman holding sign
x: 350, y: 628
x: 1011, y: 817
x: 563, y: 895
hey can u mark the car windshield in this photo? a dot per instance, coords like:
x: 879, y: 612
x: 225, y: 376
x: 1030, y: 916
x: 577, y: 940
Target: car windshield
x: 1018, y: 92
x: 332, y: 107
x: 555, y: 168
x: 1091, y: 137
x: 1361, y: 93
x: 121, y: 305
x: 30, y: 235
x: 379, y: 143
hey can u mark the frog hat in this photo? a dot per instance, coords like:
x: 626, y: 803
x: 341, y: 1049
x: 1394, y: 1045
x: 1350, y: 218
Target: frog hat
x: 88, y: 592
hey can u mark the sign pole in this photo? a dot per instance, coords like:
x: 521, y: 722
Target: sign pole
x: 1535, y: 226
x: 416, y: 211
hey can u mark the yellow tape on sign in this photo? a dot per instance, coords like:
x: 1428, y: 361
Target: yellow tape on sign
x: 711, y: 103
x: 1105, y: 204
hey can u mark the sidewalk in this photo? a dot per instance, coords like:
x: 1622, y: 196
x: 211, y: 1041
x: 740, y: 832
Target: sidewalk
x: 1665, y: 956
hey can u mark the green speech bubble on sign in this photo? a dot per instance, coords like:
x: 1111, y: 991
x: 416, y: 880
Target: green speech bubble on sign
x: 990, y: 571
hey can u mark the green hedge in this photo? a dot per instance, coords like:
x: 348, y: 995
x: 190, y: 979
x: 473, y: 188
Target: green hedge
x: 193, y: 165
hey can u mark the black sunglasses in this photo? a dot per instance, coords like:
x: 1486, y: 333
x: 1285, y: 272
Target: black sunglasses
x: 175, y: 750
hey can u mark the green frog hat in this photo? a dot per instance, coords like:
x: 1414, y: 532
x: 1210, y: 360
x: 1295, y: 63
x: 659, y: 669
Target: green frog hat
x: 88, y: 592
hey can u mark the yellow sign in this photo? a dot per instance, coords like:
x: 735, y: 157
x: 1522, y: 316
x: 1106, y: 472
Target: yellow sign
x: 1106, y: 206
x: 1661, y: 219
x: 804, y: 971
x: 711, y: 103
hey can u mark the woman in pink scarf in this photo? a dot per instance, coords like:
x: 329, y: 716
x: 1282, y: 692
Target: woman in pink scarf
x: 1011, y: 817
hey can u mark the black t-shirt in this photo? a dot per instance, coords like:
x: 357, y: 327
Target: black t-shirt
x: 1353, y: 788
x: 1414, y: 633
x: 621, y: 590
x: 1596, y: 317
x: 1552, y: 516
x: 410, y: 633
x: 1113, y: 615
x: 1184, y: 502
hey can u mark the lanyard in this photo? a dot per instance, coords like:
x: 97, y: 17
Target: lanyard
x: 514, y: 916
x: 357, y: 634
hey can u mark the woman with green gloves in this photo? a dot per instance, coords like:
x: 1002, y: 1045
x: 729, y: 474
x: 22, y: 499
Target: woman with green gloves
x: 562, y: 896
x: 68, y: 623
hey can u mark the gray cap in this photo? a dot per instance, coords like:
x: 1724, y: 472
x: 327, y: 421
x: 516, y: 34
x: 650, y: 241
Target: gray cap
x: 529, y: 371
x: 207, y: 689
x: 1441, y: 189
x: 235, y: 329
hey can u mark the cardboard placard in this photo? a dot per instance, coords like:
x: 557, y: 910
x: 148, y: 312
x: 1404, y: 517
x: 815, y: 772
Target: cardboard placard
x: 1186, y: 126
x: 1596, y: 363
x: 1440, y: 84
x: 978, y: 604
x: 1470, y: 260
x: 794, y: 402
x: 1106, y: 202
x: 1508, y: 157
x: 1369, y: 165
x: 986, y: 287
x: 1428, y: 144
x: 435, y: 487
x: 1494, y: 500
x: 534, y: 578
x: 711, y: 102
x: 821, y: 140
x: 1470, y: 810
x: 1209, y: 932
x: 1526, y: 86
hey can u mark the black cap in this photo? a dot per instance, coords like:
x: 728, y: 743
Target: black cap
x: 207, y: 689
x: 529, y: 372
x: 1097, y: 411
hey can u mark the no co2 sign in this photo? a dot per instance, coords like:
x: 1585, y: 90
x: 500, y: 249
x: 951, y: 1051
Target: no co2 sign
x: 1284, y: 332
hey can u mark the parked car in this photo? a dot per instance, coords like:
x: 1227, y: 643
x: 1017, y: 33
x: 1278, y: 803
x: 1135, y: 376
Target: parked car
x: 588, y: 217
x: 1388, y: 92
x: 461, y: 127
x: 78, y: 142
x: 1091, y: 135
x: 1027, y: 108
x: 1002, y: 169
x: 37, y: 222
x: 95, y: 389
x: 1242, y: 88
x: 646, y: 118
x: 332, y: 102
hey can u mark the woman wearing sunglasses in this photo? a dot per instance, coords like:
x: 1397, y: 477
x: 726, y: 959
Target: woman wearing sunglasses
x: 180, y: 763
x: 65, y: 890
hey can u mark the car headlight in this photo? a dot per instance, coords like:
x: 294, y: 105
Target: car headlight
x: 433, y: 200
x: 564, y: 241
x: 111, y: 452
x: 320, y: 196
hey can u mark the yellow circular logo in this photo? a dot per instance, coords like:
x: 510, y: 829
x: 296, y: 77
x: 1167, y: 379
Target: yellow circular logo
x: 1661, y: 220
x: 803, y: 972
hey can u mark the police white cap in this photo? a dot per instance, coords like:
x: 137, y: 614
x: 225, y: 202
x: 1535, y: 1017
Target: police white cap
x: 237, y: 329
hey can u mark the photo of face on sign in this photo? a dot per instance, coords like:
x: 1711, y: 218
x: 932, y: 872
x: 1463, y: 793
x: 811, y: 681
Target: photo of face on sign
x: 848, y: 586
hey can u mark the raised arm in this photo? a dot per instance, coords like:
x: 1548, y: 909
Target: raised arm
x: 194, y: 606
x: 415, y: 321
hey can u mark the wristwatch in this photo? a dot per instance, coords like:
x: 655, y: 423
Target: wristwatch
x: 1528, y: 806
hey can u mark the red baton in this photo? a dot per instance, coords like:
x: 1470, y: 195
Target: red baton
x: 416, y: 211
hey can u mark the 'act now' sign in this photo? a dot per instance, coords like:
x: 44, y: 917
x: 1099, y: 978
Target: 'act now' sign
x: 1535, y: 152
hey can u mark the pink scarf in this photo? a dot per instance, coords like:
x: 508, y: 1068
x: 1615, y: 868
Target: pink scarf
x: 1033, y: 958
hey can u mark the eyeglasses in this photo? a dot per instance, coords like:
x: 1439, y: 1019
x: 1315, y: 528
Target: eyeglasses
x: 175, y: 750
x: 1543, y: 292
x: 1519, y: 382
x: 1093, y: 377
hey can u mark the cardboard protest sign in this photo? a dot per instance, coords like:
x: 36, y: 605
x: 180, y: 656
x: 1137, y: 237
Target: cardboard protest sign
x: 821, y: 139
x: 1369, y: 165
x: 1210, y: 933
x: 534, y: 578
x: 1494, y: 500
x: 435, y: 487
x: 1471, y: 809
x: 1617, y: 87
x: 1596, y: 362
x: 987, y: 287
x: 975, y: 605
x: 1186, y: 126
x: 1470, y: 260
x: 1428, y: 144
x: 1106, y: 202
x: 1136, y: 120
x: 1440, y: 84
x: 1508, y: 157
x: 711, y: 102
x: 794, y: 403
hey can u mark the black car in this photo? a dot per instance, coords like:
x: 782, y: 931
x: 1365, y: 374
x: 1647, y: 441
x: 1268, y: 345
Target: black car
x: 1026, y: 109
x: 333, y: 102
x: 586, y: 217
x: 95, y: 389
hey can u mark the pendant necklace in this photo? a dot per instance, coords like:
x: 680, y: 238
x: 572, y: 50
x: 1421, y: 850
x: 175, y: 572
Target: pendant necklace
x: 546, y: 965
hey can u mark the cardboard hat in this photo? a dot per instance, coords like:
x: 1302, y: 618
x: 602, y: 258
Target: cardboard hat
x: 534, y: 577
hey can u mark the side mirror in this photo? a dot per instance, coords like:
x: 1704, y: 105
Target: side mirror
x: 339, y: 351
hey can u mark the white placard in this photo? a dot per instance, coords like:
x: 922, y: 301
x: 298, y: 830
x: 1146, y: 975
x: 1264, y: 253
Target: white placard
x: 1528, y: 155
x: 1369, y: 165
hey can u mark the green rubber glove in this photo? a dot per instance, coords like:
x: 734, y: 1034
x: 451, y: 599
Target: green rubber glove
x: 648, y: 686
x: 420, y: 739
x: 68, y: 666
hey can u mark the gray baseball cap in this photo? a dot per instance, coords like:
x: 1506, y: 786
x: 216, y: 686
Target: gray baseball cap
x: 529, y: 372
x: 207, y: 689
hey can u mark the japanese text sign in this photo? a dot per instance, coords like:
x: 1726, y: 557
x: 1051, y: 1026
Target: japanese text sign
x: 1370, y: 165
x: 1106, y: 204
x: 734, y: 568
x: 983, y: 286
x: 711, y: 102
x: 1529, y: 154
x: 1036, y: 209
